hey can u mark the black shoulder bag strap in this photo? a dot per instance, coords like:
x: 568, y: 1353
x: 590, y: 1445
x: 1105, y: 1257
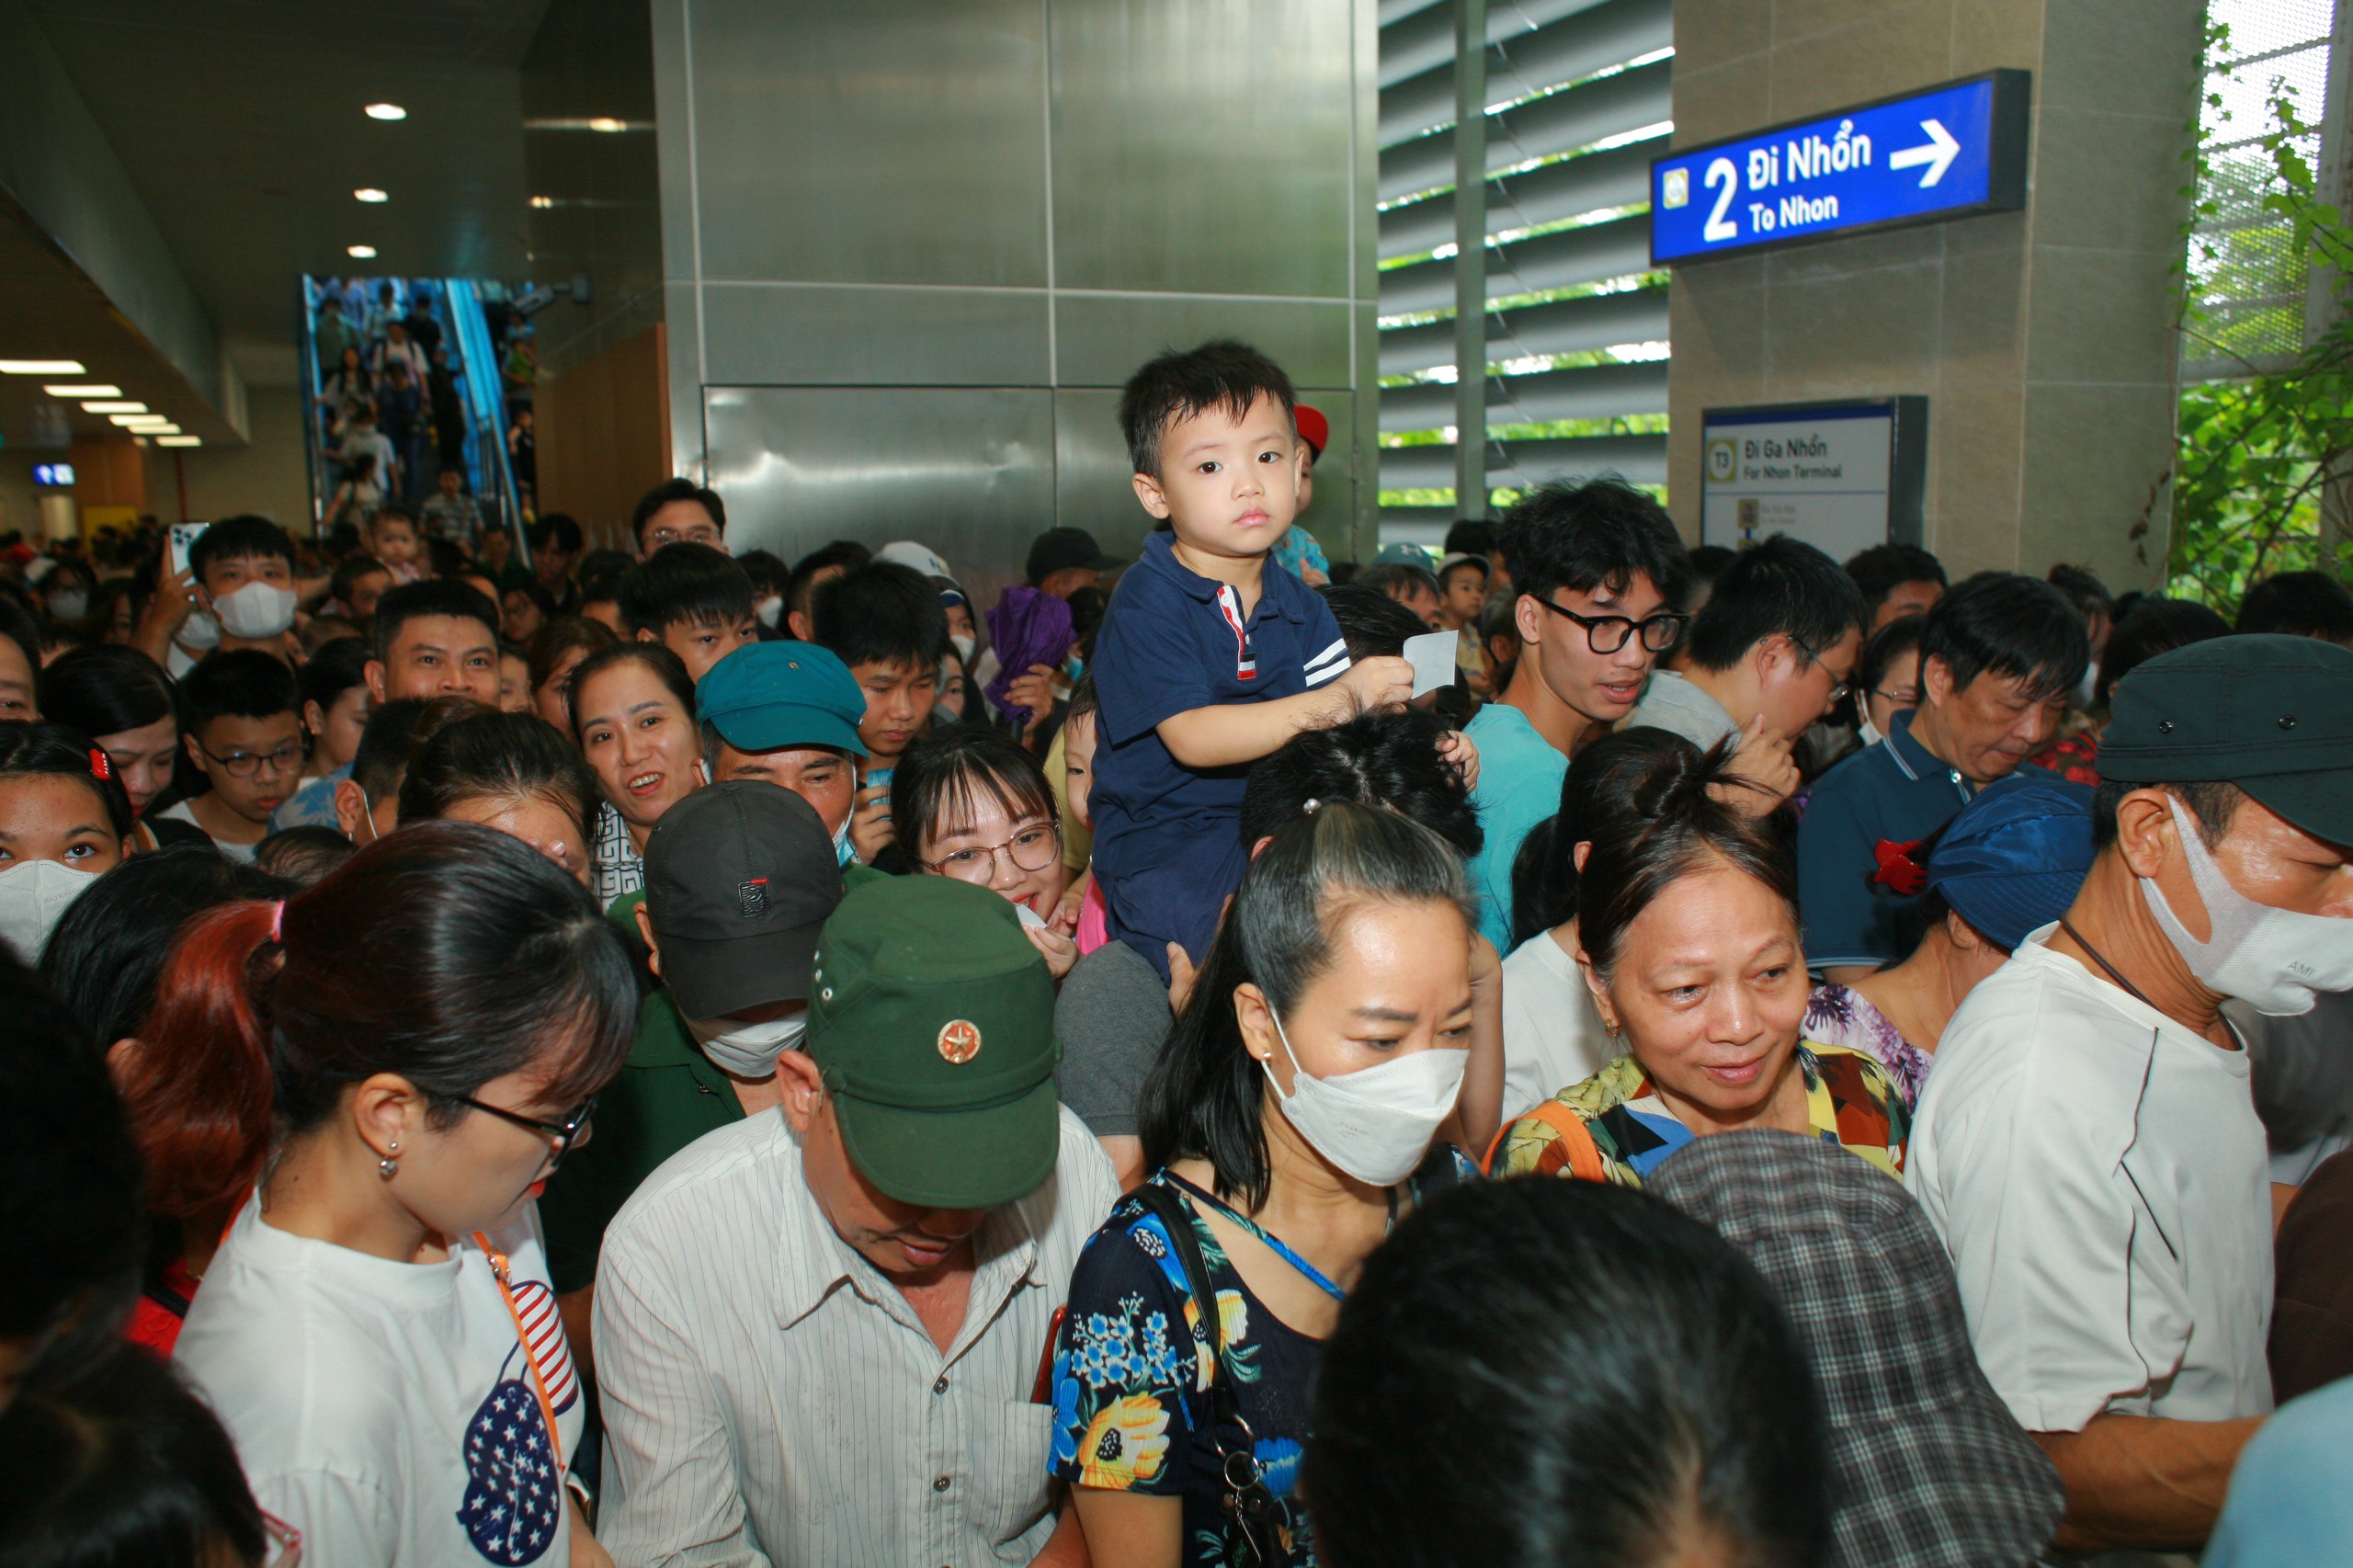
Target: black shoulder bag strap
x: 1249, y: 1502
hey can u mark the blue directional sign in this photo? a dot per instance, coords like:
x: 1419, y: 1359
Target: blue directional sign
x: 1944, y: 151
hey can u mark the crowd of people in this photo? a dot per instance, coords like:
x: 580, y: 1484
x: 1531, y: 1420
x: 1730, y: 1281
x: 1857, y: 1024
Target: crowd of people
x: 663, y: 1055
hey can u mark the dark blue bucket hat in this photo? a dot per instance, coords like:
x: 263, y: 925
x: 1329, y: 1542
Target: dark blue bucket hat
x: 2013, y: 859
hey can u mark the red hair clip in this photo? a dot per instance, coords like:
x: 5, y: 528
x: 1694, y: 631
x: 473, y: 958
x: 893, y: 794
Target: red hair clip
x: 1897, y: 870
x: 99, y: 766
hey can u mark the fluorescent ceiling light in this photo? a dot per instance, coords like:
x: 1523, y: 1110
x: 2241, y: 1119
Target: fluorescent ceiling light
x: 82, y: 392
x: 543, y: 202
x: 386, y: 111
x: 369, y: 193
x: 364, y: 253
x: 114, y: 408
x: 42, y: 368
x: 607, y: 123
x: 127, y: 420
x: 161, y: 427
x: 179, y: 440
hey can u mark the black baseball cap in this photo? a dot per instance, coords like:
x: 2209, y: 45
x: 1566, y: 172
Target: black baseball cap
x: 739, y: 881
x: 1060, y: 550
x: 2270, y: 713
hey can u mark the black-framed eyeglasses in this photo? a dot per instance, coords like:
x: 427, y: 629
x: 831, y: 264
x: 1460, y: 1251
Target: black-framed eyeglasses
x: 1608, y: 633
x: 1032, y: 849
x: 1907, y: 697
x: 245, y: 764
x: 562, y: 1136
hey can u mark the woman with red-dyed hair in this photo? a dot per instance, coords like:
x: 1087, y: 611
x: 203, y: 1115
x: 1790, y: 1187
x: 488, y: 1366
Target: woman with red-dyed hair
x: 376, y: 1331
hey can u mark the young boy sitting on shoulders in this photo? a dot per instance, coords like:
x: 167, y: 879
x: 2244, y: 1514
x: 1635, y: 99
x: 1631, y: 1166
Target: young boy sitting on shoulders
x: 1207, y: 661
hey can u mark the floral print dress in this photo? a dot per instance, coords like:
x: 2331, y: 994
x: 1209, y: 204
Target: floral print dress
x: 1838, y: 1015
x: 1131, y: 1377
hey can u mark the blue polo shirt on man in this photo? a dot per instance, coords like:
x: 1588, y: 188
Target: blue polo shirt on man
x: 1893, y: 791
x: 1168, y: 838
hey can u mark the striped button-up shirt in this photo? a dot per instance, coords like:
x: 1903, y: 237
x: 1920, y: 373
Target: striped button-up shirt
x: 769, y: 1397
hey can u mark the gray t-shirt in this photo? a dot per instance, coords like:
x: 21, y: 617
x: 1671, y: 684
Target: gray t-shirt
x: 1112, y: 1016
x: 1674, y: 703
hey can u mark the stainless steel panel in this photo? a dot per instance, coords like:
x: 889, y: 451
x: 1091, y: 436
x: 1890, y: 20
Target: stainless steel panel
x: 968, y: 470
x: 1094, y: 485
x: 826, y: 335
x: 878, y: 142
x: 1102, y: 338
x: 1203, y: 146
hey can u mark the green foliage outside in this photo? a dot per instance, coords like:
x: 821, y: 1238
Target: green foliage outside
x: 2258, y: 452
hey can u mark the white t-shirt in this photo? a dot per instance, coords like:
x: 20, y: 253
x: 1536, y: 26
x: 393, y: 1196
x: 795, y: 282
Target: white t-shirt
x: 1553, y: 1033
x: 385, y: 1409
x: 2098, y: 1174
x: 179, y: 810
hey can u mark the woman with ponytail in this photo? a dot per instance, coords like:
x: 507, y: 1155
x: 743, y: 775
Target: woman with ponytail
x: 1687, y: 932
x: 1290, y: 1122
x: 376, y: 1331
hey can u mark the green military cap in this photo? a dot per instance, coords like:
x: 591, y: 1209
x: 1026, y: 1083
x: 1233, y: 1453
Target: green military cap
x: 933, y: 1023
x: 2273, y: 715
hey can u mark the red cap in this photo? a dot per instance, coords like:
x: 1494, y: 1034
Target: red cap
x: 1313, y: 429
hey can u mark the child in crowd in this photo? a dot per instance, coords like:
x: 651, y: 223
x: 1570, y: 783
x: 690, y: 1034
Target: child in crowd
x: 972, y: 804
x: 245, y: 567
x: 391, y: 537
x: 241, y: 718
x: 63, y: 820
x: 886, y: 623
x: 334, y: 687
x: 1207, y: 661
x: 358, y: 582
x: 556, y: 652
x: 1461, y: 595
x: 367, y: 803
x: 692, y: 600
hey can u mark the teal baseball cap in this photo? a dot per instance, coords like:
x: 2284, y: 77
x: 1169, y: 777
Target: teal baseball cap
x: 765, y: 696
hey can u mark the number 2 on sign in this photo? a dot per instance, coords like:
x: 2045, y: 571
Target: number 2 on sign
x: 1724, y: 180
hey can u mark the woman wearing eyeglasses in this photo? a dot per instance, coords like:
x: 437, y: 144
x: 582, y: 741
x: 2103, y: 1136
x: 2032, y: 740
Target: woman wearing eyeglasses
x: 377, y: 1332
x: 972, y: 805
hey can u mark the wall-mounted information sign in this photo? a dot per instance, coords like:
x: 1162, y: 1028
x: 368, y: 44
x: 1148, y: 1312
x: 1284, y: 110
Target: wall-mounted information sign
x: 56, y: 475
x: 1945, y: 152
x: 1842, y: 476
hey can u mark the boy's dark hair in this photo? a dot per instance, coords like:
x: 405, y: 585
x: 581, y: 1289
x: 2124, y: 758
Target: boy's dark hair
x: 848, y: 554
x: 245, y: 682
x: 541, y: 601
x: 671, y: 490
x: 1784, y: 587
x: 1593, y: 533
x: 686, y: 581
x: 347, y: 573
x: 303, y: 856
x: 559, y: 529
x: 1374, y: 759
x: 880, y: 613
x: 1084, y: 701
x: 1470, y: 536
x: 241, y: 538
x: 2298, y: 604
x: 1475, y: 563
x: 768, y: 575
x: 1880, y: 569
x: 422, y: 600
x: 601, y: 572
x: 1401, y: 580
x: 1372, y: 623
x: 2083, y: 590
x: 380, y: 761
x: 334, y: 669
x: 2008, y: 625
x: 2156, y: 626
x: 1182, y: 383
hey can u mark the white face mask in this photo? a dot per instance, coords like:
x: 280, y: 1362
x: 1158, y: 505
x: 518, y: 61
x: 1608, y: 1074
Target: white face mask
x: 770, y: 611
x: 257, y: 609
x: 199, y: 633
x: 2274, y: 960
x: 34, y: 895
x: 69, y: 605
x: 1375, y: 1123
x: 748, y: 1050
x: 965, y: 644
x: 1869, y: 732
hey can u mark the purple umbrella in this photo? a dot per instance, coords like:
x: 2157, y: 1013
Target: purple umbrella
x: 1028, y: 627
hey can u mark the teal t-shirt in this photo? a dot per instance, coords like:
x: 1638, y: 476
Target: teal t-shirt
x: 1519, y: 786
x: 2290, y: 1505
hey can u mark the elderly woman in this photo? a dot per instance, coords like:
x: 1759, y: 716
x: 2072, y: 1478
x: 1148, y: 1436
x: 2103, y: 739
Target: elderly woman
x: 1688, y: 932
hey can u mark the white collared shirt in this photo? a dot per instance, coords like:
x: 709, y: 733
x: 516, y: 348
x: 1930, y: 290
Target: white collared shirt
x: 769, y: 1397
x: 2098, y: 1174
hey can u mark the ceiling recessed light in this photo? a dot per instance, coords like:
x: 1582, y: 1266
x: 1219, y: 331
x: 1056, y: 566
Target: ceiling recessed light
x: 364, y: 253
x: 386, y: 111
x: 607, y: 123
x: 165, y: 428
x: 543, y: 202
x: 42, y: 368
x: 369, y: 193
x: 103, y: 406
x: 179, y: 440
x: 82, y: 392
x: 127, y: 420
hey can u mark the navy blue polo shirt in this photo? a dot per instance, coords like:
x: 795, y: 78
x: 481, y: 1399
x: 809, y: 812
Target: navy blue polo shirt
x: 1168, y: 837
x: 1895, y: 790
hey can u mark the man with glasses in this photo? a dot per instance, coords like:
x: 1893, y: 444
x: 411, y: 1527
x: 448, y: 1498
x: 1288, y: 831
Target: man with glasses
x: 1772, y: 651
x: 678, y: 511
x: 241, y: 722
x: 1598, y: 571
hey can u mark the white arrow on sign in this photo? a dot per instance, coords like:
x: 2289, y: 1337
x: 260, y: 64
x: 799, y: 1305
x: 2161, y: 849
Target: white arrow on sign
x: 1937, y: 152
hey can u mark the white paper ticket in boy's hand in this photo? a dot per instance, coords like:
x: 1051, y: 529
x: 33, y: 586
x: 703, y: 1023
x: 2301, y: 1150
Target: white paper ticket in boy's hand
x: 1432, y: 656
